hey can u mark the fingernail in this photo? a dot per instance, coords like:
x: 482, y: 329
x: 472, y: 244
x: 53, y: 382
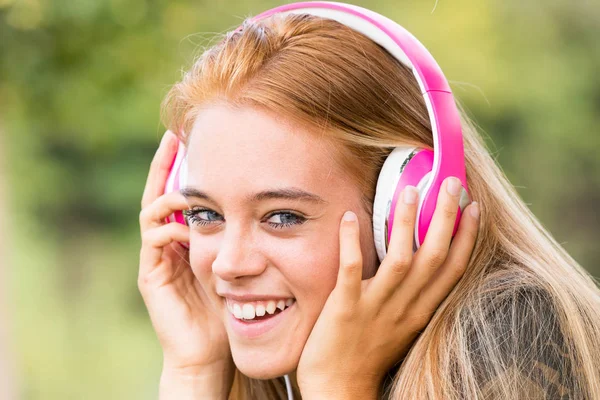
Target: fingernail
x: 349, y: 216
x: 474, y: 209
x: 409, y: 195
x: 453, y: 186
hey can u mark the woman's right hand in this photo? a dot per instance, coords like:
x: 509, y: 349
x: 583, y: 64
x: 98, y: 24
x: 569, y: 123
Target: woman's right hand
x: 191, y: 334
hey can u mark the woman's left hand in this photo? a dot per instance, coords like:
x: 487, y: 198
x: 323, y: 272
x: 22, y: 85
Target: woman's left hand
x: 367, y: 326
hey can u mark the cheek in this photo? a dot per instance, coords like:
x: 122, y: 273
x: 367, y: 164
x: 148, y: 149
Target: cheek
x: 311, y: 271
x: 201, y: 263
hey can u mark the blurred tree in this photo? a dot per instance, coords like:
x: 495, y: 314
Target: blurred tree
x: 7, y: 374
x: 80, y: 87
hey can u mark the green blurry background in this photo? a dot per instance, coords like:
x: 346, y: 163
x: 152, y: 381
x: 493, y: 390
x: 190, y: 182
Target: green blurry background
x: 80, y: 86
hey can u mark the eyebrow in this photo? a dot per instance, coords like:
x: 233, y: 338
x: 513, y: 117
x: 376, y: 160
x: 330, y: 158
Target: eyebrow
x: 289, y: 193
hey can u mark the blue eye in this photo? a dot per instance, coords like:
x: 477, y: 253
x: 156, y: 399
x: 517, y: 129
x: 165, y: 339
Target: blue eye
x: 278, y: 220
x: 201, y: 216
x: 284, y: 219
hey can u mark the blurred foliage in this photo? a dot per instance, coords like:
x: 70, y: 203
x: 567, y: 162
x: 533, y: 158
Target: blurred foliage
x: 80, y: 87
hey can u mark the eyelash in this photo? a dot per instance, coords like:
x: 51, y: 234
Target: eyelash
x: 192, y: 217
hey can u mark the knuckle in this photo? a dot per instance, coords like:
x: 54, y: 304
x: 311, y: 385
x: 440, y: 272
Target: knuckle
x: 154, y: 214
x: 346, y: 313
x: 449, y: 211
x: 142, y: 284
x: 148, y: 214
x: 148, y: 236
x: 436, y: 257
x: 400, y: 261
x: 400, y: 265
x: 406, y: 220
x: 419, y: 320
x: 352, y: 264
x: 143, y: 215
x: 457, y: 270
x: 400, y: 312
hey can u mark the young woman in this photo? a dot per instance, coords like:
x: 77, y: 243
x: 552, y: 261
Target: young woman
x: 286, y: 124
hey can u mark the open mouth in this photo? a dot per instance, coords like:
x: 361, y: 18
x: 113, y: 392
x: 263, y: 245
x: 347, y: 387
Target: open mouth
x: 257, y: 310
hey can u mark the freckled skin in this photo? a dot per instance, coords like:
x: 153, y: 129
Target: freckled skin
x: 234, y: 153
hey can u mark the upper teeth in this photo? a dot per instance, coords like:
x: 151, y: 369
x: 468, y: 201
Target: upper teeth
x: 254, y: 309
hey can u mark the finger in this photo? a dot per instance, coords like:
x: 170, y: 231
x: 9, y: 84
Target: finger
x: 351, y: 264
x: 432, y: 254
x: 154, y: 241
x: 398, y: 259
x: 458, y: 258
x: 159, y: 168
x: 156, y: 213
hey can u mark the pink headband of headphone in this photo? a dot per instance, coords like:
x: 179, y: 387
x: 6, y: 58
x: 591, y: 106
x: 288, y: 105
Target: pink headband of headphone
x: 448, y: 157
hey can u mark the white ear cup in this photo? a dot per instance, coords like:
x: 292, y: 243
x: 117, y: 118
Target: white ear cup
x: 184, y: 172
x: 171, y: 185
x: 386, y: 186
x: 464, y: 200
x: 177, y: 178
x: 183, y: 175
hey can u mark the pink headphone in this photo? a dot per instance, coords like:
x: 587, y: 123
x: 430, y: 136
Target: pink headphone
x: 422, y: 168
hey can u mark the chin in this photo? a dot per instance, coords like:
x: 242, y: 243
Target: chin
x: 268, y: 346
x: 263, y: 364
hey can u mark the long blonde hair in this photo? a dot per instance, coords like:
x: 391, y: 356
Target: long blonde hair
x: 524, y: 321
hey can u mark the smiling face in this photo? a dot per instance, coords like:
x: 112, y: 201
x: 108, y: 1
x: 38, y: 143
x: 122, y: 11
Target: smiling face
x: 267, y: 202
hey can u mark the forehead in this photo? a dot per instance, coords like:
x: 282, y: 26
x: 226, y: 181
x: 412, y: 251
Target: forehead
x: 249, y: 146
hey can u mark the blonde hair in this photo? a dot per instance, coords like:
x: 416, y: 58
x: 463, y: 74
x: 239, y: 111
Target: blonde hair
x: 523, y: 321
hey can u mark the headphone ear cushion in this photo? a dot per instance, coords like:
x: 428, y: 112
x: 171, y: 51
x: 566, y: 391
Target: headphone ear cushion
x: 387, y: 181
x: 404, y: 166
x: 176, y: 180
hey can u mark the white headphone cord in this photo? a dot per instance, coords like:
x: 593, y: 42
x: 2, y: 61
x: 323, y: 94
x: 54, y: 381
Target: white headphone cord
x: 288, y: 386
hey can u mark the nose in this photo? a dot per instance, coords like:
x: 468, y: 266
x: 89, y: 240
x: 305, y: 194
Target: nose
x: 238, y: 256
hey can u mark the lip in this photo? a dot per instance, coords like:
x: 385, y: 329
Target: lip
x: 249, y: 297
x: 252, y: 328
